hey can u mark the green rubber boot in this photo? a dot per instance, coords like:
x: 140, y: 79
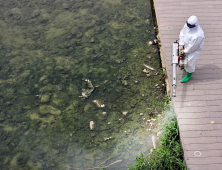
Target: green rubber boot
x: 186, y: 78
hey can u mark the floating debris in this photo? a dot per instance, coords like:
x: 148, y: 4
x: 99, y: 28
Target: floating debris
x: 148, y: 75
x: 153, y: 141
x: 158, y: 37
x: 120, y: 60
x: 147, y: 21
x: 39, y: 95
x: 158, y: 133
x: 87, y: 92
x: 148, y: 56
x: 156, y: 73
x: 106, y: 139
x: 91, y: 125
x: 141, y: 114
x: 97, y: 102
x: 146, y: 70
x: 148, y: 67
x: 155, y: 41
x: 124, y: 82
x: 125, y: 113
x: 104, y: 113
x: 150, y: 43
x: 92, y: 40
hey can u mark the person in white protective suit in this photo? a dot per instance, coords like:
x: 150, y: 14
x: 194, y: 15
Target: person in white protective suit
x: 191, y: 42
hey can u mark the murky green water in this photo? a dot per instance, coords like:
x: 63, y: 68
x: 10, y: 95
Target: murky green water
x: 66, y: 63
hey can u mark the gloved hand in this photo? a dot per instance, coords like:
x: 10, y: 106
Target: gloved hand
x: 180, y: 47
x: 181, y: 51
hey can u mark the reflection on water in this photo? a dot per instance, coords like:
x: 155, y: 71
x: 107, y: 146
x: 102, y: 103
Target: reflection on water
x: 66, y: 63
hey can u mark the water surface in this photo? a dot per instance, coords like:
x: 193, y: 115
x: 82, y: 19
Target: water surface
x: 66, y: 63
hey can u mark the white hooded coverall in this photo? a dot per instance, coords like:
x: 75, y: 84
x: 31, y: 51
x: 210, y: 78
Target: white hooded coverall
x: 192, y: 39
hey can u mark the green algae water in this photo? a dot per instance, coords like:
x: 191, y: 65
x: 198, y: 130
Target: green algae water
x: 79, y: 83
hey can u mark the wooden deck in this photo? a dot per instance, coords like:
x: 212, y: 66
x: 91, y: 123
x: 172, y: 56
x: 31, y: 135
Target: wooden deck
x: 198, y: 104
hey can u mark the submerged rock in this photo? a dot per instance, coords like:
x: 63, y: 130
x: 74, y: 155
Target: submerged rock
x: 49, y: 88
x: 60, y: 99
x: 92, y: 40
x: 124, y: 82
x: 43, y: 78
x: 45, y: 98
x: 43, y: 126
x: 55, y: 152
x: 65, y: 6
x: 47, y: 109
x: 2, y: 119
x: 88, y: 107
x: 89, y: 156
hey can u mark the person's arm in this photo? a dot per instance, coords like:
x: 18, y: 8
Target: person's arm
x: 181, y: 41
x: 194, y: 45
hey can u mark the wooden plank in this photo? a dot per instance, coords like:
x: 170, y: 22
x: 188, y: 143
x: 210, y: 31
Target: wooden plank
x: 198, y: 103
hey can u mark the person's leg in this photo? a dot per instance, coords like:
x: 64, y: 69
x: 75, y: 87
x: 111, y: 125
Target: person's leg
x: 190, y: 68
x: 186, y: 78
